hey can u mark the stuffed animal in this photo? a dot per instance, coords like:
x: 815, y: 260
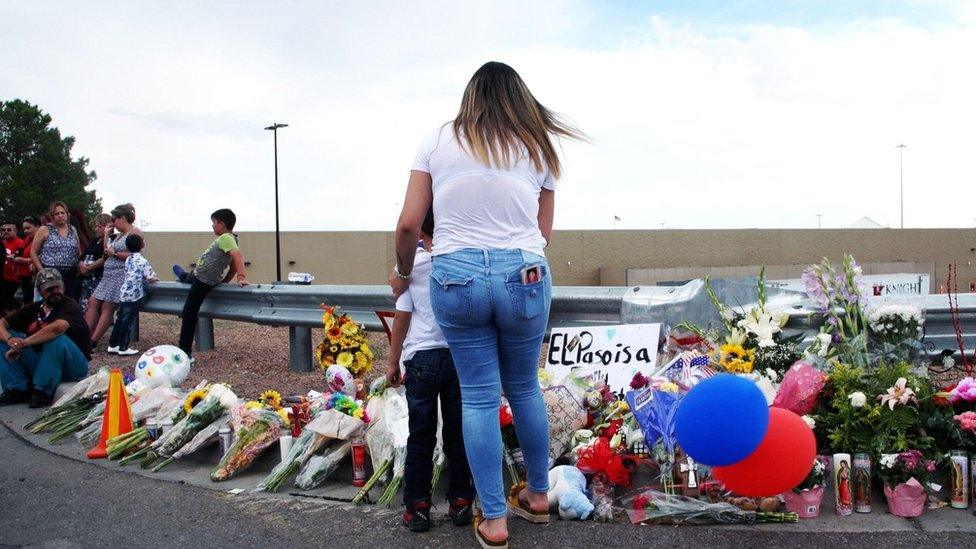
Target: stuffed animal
x: 567, y: 491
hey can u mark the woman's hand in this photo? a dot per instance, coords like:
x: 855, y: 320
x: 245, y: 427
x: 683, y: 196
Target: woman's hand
x: 398, y: 285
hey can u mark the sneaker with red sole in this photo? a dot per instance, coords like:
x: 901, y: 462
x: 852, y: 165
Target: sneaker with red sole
x: 416, y: 517
x: 460, y: 511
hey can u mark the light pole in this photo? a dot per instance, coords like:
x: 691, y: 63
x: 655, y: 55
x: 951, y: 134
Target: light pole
x: 274, y: 127
x: 818, y: 220
x: 901, y: 179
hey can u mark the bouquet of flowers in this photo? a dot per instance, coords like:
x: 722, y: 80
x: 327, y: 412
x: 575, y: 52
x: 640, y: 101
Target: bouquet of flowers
x: 396, y: 417
x: 202, y: 407
x: 302, y: 449
x: 838, y: 297
x: 320, y: 468
x: 895, y: 323
x: 255, y: 429
x: 345, y: 344
x: 654, y: 507
x: 895, y: 469
x: 206, y: 436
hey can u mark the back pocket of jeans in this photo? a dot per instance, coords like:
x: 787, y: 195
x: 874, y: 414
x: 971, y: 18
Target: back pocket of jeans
x: 450, y: 295
x: 529, y: 300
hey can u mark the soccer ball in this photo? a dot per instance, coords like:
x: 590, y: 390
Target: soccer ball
x: 163, y: 366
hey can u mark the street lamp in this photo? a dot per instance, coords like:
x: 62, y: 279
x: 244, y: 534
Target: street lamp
x: 274, y: 127
x: 901, y: 179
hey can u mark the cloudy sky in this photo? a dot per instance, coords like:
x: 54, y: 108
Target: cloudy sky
x: 703, y: 114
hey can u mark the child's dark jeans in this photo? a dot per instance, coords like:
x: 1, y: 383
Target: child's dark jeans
x: 430, y: 374
x: 191, y: 311
x: 124, y: 318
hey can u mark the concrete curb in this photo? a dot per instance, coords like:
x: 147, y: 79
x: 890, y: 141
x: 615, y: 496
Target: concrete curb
x: 194, y: 470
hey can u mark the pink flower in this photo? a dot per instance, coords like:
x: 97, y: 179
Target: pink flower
x: 898, y: 394
x: 930, y: 466
x: 967, y: 421
x: 965, y: 390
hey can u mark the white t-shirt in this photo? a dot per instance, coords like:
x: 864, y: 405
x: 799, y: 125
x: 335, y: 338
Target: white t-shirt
x: 480, y: 207
x: 424, y: 333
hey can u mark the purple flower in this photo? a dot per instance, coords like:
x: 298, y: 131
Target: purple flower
x: 930, y: 466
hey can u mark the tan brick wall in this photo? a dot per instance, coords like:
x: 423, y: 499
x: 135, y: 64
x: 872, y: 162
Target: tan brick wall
x: 587, y: 257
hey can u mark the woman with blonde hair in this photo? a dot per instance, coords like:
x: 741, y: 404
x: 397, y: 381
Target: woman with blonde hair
x: 490, y: 176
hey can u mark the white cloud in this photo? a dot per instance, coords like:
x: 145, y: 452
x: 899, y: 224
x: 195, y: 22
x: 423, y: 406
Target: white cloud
x: 692, y: 128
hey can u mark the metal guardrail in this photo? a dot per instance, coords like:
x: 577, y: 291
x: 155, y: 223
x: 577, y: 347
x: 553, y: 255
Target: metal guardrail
x: 297, y: 307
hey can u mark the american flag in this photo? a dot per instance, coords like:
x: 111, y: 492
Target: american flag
x: 695, y: 367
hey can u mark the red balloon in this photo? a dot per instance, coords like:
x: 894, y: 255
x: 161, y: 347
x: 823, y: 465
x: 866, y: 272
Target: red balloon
x: 781, y: 462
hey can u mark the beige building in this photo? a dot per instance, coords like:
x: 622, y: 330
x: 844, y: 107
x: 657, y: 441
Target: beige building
x: 593, y: 258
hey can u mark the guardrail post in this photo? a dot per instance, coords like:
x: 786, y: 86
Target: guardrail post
x: 205, y: 334
x: 299, y: 349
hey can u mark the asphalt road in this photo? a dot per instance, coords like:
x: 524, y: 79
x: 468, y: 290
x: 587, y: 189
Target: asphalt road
x: 51, y: 501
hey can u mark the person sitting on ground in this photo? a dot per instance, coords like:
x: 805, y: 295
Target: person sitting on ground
x: 23, y: 260
x: 41, y: 344
x: 418, y: 346
x: 10, y: 305
x: 222, y: 256
x: 138, y: 272
x: 14, y: 264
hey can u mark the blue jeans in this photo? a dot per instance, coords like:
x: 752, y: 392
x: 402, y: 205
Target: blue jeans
x: 59, y: 359
x: 124, y: 318
x: 494, y: 326
x: 431, y: 375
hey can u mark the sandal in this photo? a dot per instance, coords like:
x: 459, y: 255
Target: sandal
x: 522, y: 508
x: 485, y: 542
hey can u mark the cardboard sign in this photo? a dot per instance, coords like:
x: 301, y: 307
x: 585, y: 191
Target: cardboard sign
x: 615, y: 352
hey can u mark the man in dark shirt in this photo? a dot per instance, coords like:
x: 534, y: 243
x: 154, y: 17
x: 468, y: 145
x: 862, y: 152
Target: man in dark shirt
x: 41, y: 344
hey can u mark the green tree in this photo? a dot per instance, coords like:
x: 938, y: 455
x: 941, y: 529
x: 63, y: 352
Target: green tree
x: 36, y: 167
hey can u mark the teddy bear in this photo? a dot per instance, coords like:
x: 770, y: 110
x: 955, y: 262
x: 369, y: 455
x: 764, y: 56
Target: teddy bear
x: 567, y: 492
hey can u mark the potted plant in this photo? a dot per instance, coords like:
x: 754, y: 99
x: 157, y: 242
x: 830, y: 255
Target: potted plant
x: 805, y: 499
x: 905, y: 476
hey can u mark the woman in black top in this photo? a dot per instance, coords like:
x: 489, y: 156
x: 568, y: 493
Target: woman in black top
x: 93, y: 260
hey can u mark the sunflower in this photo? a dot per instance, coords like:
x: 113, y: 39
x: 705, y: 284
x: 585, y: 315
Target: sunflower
x: 736, y: 358
x: 334, y: 334
x: 193, y: 399
x: 271, y: 398
x: 253, y: 405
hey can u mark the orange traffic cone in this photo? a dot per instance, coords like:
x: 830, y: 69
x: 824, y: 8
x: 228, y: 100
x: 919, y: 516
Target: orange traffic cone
x: 118, y: 416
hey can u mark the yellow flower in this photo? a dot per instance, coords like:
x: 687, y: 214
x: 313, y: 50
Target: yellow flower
x: 344, y: 359
x: 350, y: 328
x: 271, y: 398
x: 736, y: 359
x: 545, y: 377
x: 193, y: 399
x: 284, y: 416
x: 669, y: 387
x: 253, y: 405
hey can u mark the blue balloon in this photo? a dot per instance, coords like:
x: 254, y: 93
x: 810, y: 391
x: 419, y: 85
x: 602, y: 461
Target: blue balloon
x: 722, y: 420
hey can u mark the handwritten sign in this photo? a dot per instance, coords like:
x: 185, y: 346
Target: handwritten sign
x: 614, y: 352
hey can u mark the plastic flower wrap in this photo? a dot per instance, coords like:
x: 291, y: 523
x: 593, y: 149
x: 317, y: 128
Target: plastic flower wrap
x: 800, y: 388
x: 608, y: 469
x: 255, y: 430
x: 397, y: 419
x: 321, y: 468
x: 895, y: 323
x: 655, y: 413
x: 218, y: 400
x: 345, y: 344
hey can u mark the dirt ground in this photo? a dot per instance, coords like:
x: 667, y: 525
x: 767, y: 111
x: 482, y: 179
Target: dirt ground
x: 249, y: 357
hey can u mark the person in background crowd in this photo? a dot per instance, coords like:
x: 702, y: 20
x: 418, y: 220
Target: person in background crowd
x: 57, y: 245
x: 79, y: 221
x: 41, y: 344
x: 222, y: 256
x: 10, y: 305
x: 491, y: 177
x: 13, y: 264
x: 93, y: 260
x: 106, y: 296
x: 138, y: 272
x: 26, y: 268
